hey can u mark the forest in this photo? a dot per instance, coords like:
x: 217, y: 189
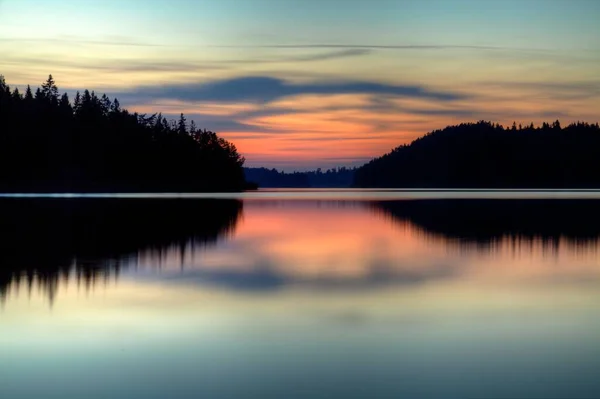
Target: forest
x: 488, y: 155
x: 49, y: 143
x: 331, y: 178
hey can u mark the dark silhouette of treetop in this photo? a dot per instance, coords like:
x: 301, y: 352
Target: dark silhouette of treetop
x: 340, y: 177
x: 49, y: 90
x: 48, y: 144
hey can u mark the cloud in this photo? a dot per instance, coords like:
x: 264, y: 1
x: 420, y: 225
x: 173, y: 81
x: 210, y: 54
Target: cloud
x: 128, y: 41
x: 558, y: 90
x: 332, y: 55
x: 371, y: 46
x: 263, y: 89
x: 116, y: 65
x: 221, y: 124
x: 103, y: 41
x: 113, y: 65
x: 335, y: 55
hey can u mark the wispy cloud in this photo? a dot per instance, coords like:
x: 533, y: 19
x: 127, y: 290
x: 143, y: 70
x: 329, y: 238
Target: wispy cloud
x: 117, y: 65
x: 107, y: 41
x: 128, y: 41
x: 113, y: 65
x: 558, y: 90
x: 375, y: 46
x: 320, y: 56
x: 263, y: 89
x: 223, y: 124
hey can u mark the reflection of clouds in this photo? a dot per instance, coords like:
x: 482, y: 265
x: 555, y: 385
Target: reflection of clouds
x: 331, y: 246
x: 263, y: 278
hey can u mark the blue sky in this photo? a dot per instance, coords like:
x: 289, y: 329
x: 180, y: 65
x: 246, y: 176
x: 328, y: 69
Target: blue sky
x: 527, y: 60
x: 543, y: 24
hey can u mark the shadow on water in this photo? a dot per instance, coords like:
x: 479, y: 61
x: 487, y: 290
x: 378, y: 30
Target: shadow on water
x: 483, y: 222
x: 45, y: 240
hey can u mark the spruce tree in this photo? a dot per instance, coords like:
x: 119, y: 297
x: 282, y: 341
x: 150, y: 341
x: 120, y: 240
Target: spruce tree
x: 28, y: 94
x: 181, y: 125
x: 50, y: 91
x: 77, y: 103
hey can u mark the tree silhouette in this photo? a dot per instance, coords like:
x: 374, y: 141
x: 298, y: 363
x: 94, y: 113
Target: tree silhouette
x: 486, y: 155
x: 50, y: 91
x: 48, y: 144
x: 340, y: 177
x: 28, y: 94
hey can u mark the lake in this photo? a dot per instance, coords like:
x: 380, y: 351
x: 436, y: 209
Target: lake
x: 301, y: 294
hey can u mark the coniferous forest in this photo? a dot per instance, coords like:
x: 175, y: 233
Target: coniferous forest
x: 50, y: 143
x: 487, y: 155
x: 330, y: 178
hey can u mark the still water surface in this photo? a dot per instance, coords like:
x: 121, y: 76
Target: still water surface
x: 283, y: 296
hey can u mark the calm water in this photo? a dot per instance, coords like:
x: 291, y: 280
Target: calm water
x: 308, y: 294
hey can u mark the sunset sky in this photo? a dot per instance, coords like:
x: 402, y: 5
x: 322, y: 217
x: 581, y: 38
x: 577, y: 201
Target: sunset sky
x: 300, y: 84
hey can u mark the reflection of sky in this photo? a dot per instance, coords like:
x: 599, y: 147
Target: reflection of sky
x: 327, y: 245
x: 318, y: 301
x: 360, y: 77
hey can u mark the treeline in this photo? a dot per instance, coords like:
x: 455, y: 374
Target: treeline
x: 272, y: 178
x: 487, y: 155
x: 49, y: 143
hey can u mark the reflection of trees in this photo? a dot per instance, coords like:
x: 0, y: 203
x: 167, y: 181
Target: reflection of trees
x: 46, y: 240
x: 485, y: 222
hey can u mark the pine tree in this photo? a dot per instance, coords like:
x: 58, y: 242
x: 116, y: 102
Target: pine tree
x: 50, y: 91
x: 28, y: 94
x: 95, y: 101
x: 115, y: 107
x: 86, y: 100
x: 105, y: 104
x: 16, y: 95
x: 77, y: 103
x: 181, y: 125
x: 65, y: 105
x: 166, y: 125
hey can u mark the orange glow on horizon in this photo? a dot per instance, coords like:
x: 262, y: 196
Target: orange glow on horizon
x: 337, y: 130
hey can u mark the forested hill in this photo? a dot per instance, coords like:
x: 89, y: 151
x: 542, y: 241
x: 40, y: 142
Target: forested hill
x: 51, y: 144
x: 331, y: 178
x: 487, y: 155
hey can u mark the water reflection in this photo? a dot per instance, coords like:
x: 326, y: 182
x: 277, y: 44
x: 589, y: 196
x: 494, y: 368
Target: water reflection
x: 321, y: 245
x: 302, y: 299
x: 46, y: 240
x: 487, y: 221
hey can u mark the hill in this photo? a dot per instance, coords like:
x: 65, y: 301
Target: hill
x: 487, y: 155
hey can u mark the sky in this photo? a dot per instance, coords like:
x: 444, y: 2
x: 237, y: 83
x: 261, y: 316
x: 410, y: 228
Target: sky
x: 301, y: 84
